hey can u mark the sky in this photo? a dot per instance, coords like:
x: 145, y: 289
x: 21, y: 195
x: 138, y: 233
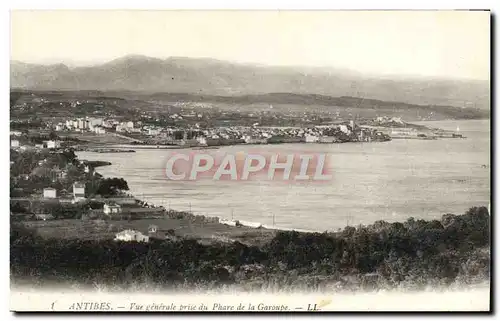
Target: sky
x: 449, y: 44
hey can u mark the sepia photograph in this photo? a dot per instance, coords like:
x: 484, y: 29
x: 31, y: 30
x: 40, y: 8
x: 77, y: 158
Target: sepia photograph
x: 250, y: 161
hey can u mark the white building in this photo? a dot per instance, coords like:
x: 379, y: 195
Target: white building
x: 131, y: 236
x: 129, y: 124
x: 15, y: 133
x: 99, y: 130
x: 312, y: 138
x: 79, y: 191
x: 344, y: 129
x: 153, y: 131
x: 49, y: 192
x: 14, y: 143
x: 201, y: 140
x: 82, y: 123
x: 112, y: 209
x: 53, y: 144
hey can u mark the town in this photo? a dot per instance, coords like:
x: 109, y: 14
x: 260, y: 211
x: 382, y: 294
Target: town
x: 100, y: 130
x: 48, y: 182
x: 286, y: 161
x: 87, y: 122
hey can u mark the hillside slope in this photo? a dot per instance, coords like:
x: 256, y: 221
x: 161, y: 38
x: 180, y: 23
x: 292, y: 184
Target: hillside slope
x: 215, y: 77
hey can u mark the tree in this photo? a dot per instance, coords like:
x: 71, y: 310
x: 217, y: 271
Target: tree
x: 53, y: 135
x: 69, y: 154
x: 112, y: 186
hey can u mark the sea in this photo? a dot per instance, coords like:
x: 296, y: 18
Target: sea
x: 390, y: 181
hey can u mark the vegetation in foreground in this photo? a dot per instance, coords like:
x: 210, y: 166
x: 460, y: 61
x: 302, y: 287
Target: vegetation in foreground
x: 413, y: 254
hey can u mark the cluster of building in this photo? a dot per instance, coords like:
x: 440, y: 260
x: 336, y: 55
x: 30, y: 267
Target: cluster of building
x: 78, y: 192
x: 130, y: 235
x: 50, y: 144
x: 97, y: 125
x: 317, y: 134
x: 347, y: 131
x: 102, y: 126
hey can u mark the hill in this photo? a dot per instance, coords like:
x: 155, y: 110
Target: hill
x: 203, y: 76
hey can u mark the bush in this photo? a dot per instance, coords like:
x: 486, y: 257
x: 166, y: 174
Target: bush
x: 413, y: 253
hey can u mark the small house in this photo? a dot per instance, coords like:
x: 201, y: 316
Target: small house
x: 99, y: 129
x: 112, y: 209
x: 53, y: 144
x: 79, y: 191
x: 14, y: 143
x: 202, y: 140
x: 344, y: 129
x: 15, y: 133
x: 131, y: 236
x: 49, y: 192
x: 312, y: 139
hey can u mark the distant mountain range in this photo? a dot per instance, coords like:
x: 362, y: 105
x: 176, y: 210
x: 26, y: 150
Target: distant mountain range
x: 202, y: 76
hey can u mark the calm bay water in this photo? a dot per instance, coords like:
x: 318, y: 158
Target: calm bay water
x: 389, y: 181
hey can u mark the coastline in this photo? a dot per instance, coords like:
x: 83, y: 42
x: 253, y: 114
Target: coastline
x: 229, y: 223
x: 252, y: 258
x: 208, y: 208
x: 420, y: 132
x: 232, y: 224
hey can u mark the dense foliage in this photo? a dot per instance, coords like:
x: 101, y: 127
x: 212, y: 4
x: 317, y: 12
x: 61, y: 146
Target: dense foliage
x: 110, y: 187
x: 416, y: 252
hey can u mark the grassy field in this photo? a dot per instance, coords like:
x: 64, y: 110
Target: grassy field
x: 102, y: 230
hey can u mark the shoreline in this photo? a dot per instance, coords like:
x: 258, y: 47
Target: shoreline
x: 425, y: 133
x: 220, y: 213
x: 226, y: 222
x: 230, y: 223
